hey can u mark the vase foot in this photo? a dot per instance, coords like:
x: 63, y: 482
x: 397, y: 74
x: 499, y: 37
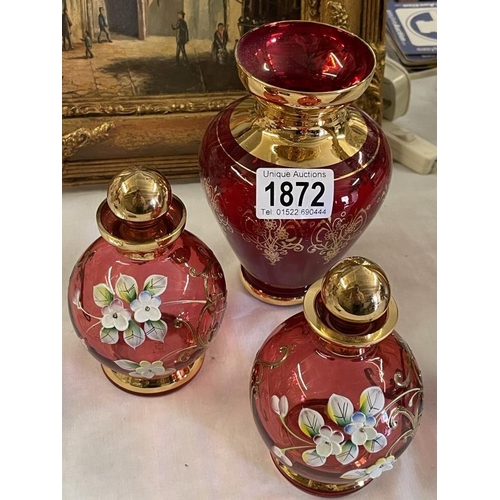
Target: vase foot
x: 317, y: 488
x: 271, y: 295
x: 145, y: 387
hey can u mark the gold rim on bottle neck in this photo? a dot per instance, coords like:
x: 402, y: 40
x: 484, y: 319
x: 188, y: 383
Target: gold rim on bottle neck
x: 148, y: 249
x: 336, y: 336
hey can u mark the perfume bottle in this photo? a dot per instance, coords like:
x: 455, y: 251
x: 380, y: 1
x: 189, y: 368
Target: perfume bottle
x: 147, y: 297
x: 336, y: 392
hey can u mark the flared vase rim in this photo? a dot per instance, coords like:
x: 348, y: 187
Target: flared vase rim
x: 326, y: 98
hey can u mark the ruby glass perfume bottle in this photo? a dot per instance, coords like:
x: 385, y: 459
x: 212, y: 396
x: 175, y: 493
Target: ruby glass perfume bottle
x: 147, y: 297
x: 336, y: 392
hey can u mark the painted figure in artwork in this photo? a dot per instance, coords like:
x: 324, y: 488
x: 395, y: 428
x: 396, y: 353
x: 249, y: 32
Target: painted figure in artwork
x: 66, y: 30
x: 103, y: 26
x: 219, y: 50
x: 88, y: 46
x: 181, y: 36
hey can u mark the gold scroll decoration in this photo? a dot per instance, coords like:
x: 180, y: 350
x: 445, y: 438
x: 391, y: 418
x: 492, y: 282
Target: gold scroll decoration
x: 81, y: 137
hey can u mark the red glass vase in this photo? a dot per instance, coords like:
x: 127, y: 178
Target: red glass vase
x: 294, y: 173
x: 147, y: 297
x: 336, y: 392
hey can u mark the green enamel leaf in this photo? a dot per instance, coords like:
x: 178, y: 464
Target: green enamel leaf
x: 126, y: 364
x: 340, y: 409
x: 108, y: 335
x: 134, y: 335
x: 311, y: 458
x: 348, y: 454
x: 156, y: 284
x: 155, y: 330
x: 371, y: 401
x: 310, y: 422
x: 102, y: 295
x: 375, y: 445
x: 126, y: 287
x: 354, y: 474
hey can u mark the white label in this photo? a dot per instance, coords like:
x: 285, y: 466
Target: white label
x: 294, y: 193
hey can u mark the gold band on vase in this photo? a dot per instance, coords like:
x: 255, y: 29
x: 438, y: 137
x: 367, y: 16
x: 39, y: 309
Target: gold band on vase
x: 267, y: 298
x: 155, y: 386
x: 303, y: 482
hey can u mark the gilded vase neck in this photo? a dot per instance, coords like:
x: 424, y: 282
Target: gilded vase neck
x: 291, y: 137
x: 313, y: 123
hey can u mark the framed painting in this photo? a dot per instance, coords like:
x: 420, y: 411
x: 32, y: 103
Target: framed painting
x: 141, y: 79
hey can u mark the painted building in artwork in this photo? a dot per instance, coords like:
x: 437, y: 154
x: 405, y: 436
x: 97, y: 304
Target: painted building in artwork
x: 139, y: 19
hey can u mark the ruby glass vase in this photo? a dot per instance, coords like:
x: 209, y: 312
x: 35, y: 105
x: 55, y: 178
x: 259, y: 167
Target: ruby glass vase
x: 147, y: 297
x: 336, y: 392
x: 294, y: 172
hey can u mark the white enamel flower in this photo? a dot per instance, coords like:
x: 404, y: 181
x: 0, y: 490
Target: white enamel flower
x: 146, y: 307
x: 361, y: 428
x: 280, y: 405
x: 115, y: 316
x: 281, y: 456
x: 381, y: 465
x: 360, y: 424
x: 149, y: 370
x: 328, y: 442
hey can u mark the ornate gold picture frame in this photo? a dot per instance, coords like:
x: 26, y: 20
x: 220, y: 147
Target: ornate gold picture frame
x: 105, y: 132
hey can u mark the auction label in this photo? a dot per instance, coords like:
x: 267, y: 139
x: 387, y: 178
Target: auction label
x: 294, y: 193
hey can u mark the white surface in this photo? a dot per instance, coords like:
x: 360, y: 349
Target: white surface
x: 410, y: 149
x: 201, y: 442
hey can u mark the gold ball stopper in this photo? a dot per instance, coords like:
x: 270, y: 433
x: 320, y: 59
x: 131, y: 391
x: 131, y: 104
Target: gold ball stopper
x: 139, y: 195
x: 356, y: 290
